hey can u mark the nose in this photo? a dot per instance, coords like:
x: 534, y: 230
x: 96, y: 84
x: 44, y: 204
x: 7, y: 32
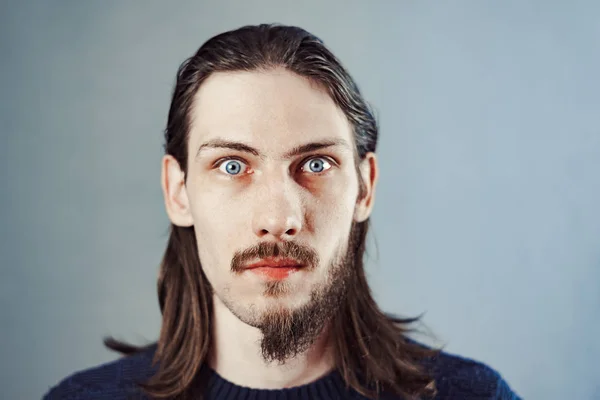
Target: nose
x: 277, y: 213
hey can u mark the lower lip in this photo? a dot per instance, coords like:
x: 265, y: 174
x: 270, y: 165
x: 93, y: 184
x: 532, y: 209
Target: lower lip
x: 275, y: 273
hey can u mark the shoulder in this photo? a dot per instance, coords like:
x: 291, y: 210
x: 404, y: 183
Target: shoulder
x: 459, y: 377
x: 114, y: 380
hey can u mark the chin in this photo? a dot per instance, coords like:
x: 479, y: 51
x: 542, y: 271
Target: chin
x: 279, y: 304
x: 287, y: 300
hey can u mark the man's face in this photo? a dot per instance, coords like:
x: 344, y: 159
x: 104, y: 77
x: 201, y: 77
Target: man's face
x: 256, y: 199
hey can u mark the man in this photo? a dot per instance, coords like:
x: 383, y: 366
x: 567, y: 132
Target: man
x: 269, y: 179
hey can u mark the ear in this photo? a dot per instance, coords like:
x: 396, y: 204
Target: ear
x: 368, y: 173
x: 175, y: 193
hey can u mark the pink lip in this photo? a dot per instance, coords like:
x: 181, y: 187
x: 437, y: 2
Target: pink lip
x: 275, y: 263
x: 274, y: 273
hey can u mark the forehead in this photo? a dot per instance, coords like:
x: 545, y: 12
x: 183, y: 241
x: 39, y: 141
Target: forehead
x: 274, y: 109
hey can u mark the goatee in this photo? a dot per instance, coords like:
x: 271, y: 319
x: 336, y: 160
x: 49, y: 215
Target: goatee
x: 288, y: 333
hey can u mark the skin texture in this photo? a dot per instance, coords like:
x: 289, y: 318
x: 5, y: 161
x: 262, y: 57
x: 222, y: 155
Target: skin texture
x: 270, y: 333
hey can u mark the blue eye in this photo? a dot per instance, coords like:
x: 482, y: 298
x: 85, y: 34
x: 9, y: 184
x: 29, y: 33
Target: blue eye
x: 317, y: 165
x: 235, y: 167
x: 232, y: 167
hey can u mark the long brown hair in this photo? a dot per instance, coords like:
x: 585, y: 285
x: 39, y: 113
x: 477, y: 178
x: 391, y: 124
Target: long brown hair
x: 371, y: 350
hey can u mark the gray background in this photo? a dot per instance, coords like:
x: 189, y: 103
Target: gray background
x: 486, y: 216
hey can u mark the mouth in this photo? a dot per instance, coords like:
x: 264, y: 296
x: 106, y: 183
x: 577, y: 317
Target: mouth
x: 275, y: 268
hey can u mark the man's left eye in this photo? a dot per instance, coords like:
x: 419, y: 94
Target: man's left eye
x: 316, y: 165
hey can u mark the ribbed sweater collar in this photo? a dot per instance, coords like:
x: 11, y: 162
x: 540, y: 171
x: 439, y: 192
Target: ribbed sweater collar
x: 330, y: 386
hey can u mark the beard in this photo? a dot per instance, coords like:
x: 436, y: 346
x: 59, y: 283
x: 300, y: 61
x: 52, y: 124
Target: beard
x: 288, y: 332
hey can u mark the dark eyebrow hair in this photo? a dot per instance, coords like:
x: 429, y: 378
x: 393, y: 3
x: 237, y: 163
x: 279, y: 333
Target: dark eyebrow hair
x: 298, y: 150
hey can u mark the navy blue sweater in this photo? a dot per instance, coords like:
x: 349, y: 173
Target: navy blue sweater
x: 457, y: 378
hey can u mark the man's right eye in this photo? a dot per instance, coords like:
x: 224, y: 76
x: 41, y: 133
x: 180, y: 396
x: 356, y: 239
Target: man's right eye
x: 232, y: 166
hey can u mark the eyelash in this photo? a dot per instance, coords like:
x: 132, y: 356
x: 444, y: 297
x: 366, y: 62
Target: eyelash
x: 220, y: 161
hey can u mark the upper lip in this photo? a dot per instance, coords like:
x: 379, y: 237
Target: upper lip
x: 275, y: 262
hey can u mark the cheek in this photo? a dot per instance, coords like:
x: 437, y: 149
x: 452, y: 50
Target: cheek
x: 332, y: 228
x: 217, y: 218
x: 334, y: 207
x: 208, y: 228
x: 214, y: 201
x: 211, y: 206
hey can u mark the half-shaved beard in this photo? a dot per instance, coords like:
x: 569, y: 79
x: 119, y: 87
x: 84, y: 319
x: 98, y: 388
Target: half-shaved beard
x: 287, y: 333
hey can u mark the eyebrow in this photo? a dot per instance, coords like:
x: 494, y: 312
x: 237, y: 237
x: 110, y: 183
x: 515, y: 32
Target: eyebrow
x: 298, y: 150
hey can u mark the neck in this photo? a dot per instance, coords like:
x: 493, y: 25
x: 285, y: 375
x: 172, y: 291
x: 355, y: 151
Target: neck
x: 236, y: 355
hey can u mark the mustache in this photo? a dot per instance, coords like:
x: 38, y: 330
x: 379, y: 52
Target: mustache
x: 303, y: 254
